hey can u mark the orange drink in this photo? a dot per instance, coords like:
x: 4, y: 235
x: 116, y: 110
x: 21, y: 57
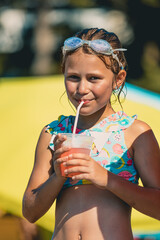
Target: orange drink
x: 79, y: 144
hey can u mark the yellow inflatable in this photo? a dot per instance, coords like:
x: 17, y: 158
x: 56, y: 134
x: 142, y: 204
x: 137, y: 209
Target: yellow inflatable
x: 26, y: 106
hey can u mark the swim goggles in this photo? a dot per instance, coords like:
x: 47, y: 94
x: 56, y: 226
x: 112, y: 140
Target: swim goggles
x: 98, y: 45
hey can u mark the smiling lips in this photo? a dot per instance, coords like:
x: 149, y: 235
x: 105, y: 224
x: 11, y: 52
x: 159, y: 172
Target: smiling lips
x: 85, y: 101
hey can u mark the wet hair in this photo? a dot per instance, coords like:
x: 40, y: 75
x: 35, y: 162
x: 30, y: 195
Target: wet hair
x: 112, y: 38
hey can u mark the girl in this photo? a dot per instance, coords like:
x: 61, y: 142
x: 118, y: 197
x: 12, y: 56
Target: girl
x: 95, y: 204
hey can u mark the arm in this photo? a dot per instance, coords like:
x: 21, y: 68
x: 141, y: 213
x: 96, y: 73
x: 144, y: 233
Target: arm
x: 147, y: 160
x: 44, y: 184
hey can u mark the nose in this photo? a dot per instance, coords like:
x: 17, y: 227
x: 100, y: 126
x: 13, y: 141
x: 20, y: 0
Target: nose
x: 83, y: 87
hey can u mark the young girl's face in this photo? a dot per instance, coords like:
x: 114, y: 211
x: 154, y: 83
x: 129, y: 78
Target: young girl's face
x: 88, y: 79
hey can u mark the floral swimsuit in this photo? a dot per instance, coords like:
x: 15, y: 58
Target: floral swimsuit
x: 108, y: 149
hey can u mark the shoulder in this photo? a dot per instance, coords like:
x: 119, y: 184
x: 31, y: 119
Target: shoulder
x: 137, y: 133
x: 140, y: 127
x: 142, y: 134
x: 44, y: 139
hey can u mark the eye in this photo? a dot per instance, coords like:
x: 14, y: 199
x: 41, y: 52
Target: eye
x: 94, y: 78
x: 72, y: 78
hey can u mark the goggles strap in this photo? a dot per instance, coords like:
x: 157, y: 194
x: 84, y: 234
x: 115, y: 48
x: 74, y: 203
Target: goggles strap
x: 117, y: 59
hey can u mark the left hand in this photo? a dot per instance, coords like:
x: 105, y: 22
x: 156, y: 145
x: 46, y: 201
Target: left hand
x: 88, y: 168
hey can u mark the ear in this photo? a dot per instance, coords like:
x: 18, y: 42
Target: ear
x: 119, y: 79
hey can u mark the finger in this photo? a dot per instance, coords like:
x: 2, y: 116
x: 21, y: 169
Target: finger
x: 61, y: 160
x: 82, y: 156
x: 58, y: 152
x: 58, y: 140
x: 81, y: 176
x: 76, y: 169
x: 55, y: 137
x: 75, y: 162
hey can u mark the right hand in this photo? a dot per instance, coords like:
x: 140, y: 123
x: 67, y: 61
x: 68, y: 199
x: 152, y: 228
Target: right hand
x: 58, y: 150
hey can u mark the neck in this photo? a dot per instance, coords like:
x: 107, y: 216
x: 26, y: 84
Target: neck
x: 86, y: 122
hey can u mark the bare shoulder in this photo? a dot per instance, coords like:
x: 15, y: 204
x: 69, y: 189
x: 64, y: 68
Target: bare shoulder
x: 45, y: 133
x: 137, y: 129
x: 43, y: 153
x: 140, y: 127
x: 43, y: 166
x: 142, y: 133
x: 44, y: 138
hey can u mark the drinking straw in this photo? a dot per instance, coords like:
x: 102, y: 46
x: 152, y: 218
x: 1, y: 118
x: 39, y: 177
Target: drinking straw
x: 77, y: 115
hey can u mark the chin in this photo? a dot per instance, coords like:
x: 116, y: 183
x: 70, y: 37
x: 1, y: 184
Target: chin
x: 86, y: 113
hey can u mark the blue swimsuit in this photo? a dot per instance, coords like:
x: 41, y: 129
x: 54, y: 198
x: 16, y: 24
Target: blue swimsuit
x: 109, y: 148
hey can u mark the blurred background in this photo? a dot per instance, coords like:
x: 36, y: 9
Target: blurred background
x: 31, y: 36
x: 32, y: 33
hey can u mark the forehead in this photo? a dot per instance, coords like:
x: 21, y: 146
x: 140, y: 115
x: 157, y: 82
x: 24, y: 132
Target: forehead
x: 79, y: 59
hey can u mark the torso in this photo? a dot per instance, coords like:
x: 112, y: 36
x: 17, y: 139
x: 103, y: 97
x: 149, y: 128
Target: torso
x: 85, y: 212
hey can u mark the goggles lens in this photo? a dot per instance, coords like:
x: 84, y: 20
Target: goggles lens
x: 101, y: 46
x: 98, y: 45
x: 72, y: 43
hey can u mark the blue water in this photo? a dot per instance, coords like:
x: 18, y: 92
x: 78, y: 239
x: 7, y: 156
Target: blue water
x: 140, y: 95
x: 150, y: 236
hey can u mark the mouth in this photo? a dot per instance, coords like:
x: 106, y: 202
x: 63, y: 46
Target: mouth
x: 84, y: 100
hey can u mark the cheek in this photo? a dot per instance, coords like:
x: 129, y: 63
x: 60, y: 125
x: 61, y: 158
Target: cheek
x: 103, y: 90
x: 70, y: 88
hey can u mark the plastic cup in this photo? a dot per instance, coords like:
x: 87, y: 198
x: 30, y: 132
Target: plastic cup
x: 79, y: 144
